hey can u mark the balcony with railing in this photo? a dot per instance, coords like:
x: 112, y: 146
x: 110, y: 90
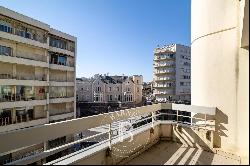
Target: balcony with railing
x: 28, y: 58
x: 164, y: 57
x: 165, y: 79
x: 170, y: 71
x: 161, y: 65
x: 183, y: 134
x: 165, y: 92
x: 23, y: 32
x: 61, y: 61
x: 21, y: 117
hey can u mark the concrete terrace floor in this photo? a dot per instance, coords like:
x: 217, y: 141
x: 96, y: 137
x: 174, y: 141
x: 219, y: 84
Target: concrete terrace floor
x: 172, y: 153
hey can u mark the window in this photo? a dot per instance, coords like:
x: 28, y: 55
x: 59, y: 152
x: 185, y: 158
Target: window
x: 138, y: 90
x: 5, y: 27
x: 137, y: 81
x: 110, y: 89
x: 82, y: 88
x: 59, y: 43
x: 62, y: 60
x: 110, y: 97
x: 118, y: 89
x: 182, y: 83
x: 5, y: 51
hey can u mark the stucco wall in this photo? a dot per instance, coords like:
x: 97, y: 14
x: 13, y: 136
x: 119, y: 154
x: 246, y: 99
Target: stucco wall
x: 220, y: 70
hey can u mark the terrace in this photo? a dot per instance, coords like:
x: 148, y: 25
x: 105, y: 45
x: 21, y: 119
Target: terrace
x: 186, y: 134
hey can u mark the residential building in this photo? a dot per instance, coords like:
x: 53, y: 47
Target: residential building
x: 104, y: 88
x: 37, y: 77
x: 147, y: 92
x: 172, y: 65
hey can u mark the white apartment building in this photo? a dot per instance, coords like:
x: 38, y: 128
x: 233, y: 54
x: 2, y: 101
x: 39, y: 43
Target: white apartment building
x: 37, y: 77
x: 103, y: 88
x: 172, y: 73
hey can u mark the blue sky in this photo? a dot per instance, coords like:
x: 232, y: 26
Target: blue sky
x: 114, y: 36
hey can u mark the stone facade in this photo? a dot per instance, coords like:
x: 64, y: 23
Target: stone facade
x: 104, y: 89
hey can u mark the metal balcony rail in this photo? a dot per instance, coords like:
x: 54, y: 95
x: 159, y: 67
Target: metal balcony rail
x: 140, y: 118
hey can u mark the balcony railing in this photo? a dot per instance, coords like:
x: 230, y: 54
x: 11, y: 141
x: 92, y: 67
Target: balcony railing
x: 4, y: 121
x: 18, y: 97
x: 34, y: 57
x: 141, y: 119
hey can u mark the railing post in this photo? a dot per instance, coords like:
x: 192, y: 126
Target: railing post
x: 110, y: 136
x: 205, y: 120
x: 177, y: 113
x: 153, y: 120
x: 191, y: 120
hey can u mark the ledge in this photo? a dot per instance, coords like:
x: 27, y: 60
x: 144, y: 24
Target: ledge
x: 22, y: 103
x: 23, y: 61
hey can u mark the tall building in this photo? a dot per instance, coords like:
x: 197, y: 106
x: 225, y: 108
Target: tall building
x: 104, y: 88
x: 220, y: 69
x: 172, y: 73
x: 37, y: 77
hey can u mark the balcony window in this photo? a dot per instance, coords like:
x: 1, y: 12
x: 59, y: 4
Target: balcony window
x: 62, y: 60
x: 58, y: 92
x: 25, y: 93
x: 58, y: 43
x: 6, y: 93
x: 5, y: 117
x: 58, y: 59
x: 5, y: 50
x: 24, y: 115
x: 20, y: 32
x: 5, y: 27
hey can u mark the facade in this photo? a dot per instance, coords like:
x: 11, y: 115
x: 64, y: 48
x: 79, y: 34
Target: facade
x: 172, y: 73
x: 220, y: 69
x: 147, y: 91
x: 103, y: 89
x: 37, y: 77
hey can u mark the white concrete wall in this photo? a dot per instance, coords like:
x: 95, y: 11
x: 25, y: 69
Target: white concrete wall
x: 220, y: 70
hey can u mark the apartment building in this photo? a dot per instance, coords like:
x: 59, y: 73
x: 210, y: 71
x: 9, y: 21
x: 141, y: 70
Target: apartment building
x: 172, y: 73
x: 37, y: 77
x: 104, y: 88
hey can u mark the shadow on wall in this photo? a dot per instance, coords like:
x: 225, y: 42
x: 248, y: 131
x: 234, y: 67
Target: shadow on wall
x: 220, y: 119
x: 200, y: 139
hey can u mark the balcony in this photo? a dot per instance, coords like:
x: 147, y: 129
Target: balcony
x: 165, y: 92
x: 7, y: 124
x: 165, y: 72
x: 24, y: 39
x: 24, y: 60
x: 164, y: 65
x: 157, y: 134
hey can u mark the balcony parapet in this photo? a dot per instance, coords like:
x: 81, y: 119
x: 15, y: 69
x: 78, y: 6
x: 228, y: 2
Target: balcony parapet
x: 59, y: 129
x: 13, y: 104
x: 59, y: 83
x: 20, y: 39
x: 23, y: 61
x: 28, y: 123
x: 61, y: 100
x: 61, y: 67
x: 23, y: 82
x: 62, y: 51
